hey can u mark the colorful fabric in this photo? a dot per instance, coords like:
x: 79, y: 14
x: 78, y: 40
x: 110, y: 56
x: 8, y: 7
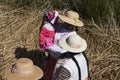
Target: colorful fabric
x: 56, y: 50
x: 58, y: 36
x: 72, y: 68
x: 47, y: 33
x: 52, y: 16
x: 47, y: 36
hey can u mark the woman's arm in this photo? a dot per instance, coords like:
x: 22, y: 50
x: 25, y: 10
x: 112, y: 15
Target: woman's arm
x: 56, y: 48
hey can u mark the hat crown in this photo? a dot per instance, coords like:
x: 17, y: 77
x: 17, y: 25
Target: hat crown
x: 74, y: 41
x: 71, y: 17
x: 24, y: 65
x: 72, y: 14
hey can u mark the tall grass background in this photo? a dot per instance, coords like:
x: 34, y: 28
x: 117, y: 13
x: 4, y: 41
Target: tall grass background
x: 101, y: 30
x: 98, y: 10
x: 104, y: 13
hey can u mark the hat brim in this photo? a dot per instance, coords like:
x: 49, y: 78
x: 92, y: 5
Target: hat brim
x: 64, y: 45
x: 71, y: 21
x: 35, y: 75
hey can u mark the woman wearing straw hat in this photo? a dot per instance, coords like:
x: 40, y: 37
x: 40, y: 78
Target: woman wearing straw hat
x: 70, y: 19
x: 72, y: 65
x: 23, y: 69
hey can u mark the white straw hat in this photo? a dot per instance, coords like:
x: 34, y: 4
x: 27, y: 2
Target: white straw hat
x: 23, y: 70
x: 73, y: 43
x: 71, y: 17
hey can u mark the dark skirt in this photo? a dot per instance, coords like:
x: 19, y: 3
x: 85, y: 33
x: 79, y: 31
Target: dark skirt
x: 49, y: 68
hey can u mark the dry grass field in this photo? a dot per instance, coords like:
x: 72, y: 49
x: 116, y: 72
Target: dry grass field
x: 19, y: 31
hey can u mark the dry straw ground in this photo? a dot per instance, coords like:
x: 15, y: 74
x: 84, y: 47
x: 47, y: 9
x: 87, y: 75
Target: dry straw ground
x: 19, y: 31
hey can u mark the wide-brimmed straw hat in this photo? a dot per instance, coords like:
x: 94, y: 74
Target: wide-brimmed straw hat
x: 71, y: 17
x: 23, y: 70
x: 73, y: 43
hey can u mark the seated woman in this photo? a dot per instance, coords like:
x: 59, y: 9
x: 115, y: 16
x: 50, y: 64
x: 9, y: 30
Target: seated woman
x: 70, y: 20
x: 71, y: 65
x: 47, y: 33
